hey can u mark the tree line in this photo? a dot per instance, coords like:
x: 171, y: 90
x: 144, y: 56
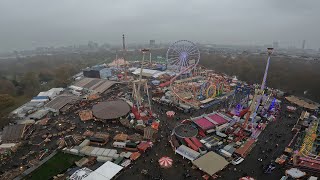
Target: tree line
x: 23, y: 78
x: 293, y: 75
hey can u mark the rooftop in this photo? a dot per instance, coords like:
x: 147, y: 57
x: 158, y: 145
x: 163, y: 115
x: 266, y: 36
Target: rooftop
x: 187, y: 152
x: 60, y: 101
x: 105, y: 172
x: 185, y: 130
x: 210, y: 163
x: 13, y: 133
x: 94, y: 84
x: 111, y: 109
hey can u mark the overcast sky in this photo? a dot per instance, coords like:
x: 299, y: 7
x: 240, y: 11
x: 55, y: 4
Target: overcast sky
x: 25, y: 24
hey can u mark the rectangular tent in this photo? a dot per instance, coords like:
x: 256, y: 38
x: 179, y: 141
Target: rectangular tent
x: 211, y: 163
x: 105, y: 172
x: 188, y: 153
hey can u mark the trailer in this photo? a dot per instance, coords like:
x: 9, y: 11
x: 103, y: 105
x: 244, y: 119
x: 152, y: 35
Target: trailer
x: 118, y: 160
x: 119, y: 144
x: 196, y: 142
x: 131, y: 145
x: 191, y: 145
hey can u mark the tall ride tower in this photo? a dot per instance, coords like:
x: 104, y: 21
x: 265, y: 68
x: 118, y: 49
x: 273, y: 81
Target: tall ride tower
x: 123, y: 43
x: 252, y: 112
x: 137, y: 84
x: 124, y: 51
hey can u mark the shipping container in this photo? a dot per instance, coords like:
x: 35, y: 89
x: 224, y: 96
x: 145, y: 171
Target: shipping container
x: 106, y: 152
x: 97, y: 140
x: 112, y: 152
x: 94, y: 152
x: 118, y: 160
x: 131, y: 149
x: 131, y: 145
x: 91, y: 73
x: 126, y: 163
x: 103, y: 159
x: 86, y: 142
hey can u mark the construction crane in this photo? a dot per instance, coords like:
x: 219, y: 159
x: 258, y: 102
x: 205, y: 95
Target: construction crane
x: 258, y: 93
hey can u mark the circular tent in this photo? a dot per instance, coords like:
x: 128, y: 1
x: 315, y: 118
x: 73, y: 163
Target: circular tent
x: 185, y: 131
x: 247, y: 178
x: 165, y: 162
x: 110, y: 110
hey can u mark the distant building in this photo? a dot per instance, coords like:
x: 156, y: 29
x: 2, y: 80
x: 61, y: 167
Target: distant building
x: 303, y: 44
x: 97, y: 72
x: 275, y: 44
x: 267, y: 45
x: 93, y: 45
x: 152, y: 43
x: 105, y: 73
x: 91, y: 73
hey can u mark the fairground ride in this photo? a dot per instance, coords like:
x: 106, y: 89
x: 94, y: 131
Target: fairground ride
x: 137, y: 84
x: 211, y: 88
x: 192, y: 83
x: 258, y: 93
x: 306, y: 149
x: 240, y: 97
x: 182, y: 57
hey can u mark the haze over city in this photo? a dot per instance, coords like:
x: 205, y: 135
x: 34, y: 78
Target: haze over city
x: 159, y: 90
x: 36, y: 23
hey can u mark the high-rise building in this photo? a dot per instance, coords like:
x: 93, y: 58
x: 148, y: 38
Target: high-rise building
x: 152, y: 43
x: 275, y: 44
x: 303, y: 44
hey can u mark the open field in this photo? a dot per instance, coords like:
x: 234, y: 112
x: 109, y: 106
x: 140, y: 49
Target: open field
x: 57, y: 164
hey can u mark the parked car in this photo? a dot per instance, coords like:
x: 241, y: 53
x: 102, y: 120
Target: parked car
x: 237, y: 160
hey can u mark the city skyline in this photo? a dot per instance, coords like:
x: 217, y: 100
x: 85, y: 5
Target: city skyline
x: 31, y: 24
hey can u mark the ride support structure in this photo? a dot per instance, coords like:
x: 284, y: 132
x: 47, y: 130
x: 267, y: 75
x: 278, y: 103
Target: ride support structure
x: 137, y: 87
x: 182, y: 57
x: 258, y: 93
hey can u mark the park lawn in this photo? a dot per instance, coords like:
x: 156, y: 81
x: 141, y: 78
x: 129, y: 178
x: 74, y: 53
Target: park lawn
x: 18, y: 101
x: 57, y: 164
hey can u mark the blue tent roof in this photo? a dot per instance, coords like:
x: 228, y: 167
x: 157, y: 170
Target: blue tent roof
x: 41, y: 97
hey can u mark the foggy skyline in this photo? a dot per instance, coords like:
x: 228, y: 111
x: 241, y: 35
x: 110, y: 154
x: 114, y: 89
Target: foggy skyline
x: 37, y: 23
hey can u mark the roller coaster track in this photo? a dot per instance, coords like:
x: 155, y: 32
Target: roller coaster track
x: 186, y: 101
x: 308, y: 141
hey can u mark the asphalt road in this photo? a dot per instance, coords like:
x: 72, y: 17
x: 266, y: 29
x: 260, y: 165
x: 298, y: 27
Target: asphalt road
x: 277, y: 132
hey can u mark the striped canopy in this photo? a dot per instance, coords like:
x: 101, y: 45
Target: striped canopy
x: 170, y: 113
x: 165, y: 162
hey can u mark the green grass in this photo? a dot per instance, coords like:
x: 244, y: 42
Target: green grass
x: 18, y: 101
x: 57, y: 164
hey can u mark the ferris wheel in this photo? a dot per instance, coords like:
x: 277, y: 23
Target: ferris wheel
x: 183, y: 56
